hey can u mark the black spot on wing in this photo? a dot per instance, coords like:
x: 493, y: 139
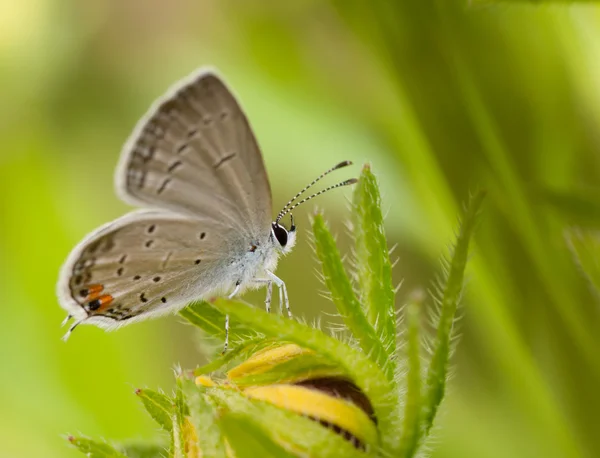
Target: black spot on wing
x: 163, y: 185
x: 173, y: 166
x: 94, y: 305
x: 223, y: 160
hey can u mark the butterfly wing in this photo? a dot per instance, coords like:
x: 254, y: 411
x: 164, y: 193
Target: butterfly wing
x: 143, y: 264
x: 195, y: 153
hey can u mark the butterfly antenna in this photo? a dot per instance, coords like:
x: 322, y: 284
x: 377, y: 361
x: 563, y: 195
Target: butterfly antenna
x: 284, y: 210
x: 289, y: 209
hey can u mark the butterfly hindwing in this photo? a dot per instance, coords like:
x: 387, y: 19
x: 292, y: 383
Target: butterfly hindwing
x: 144, y: 263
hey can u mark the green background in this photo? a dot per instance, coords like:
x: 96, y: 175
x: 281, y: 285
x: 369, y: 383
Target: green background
x: 441, y: 97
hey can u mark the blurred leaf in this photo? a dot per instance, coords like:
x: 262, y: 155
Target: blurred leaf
x: 250, y: 441
x: 358, y: 367
x: 373, y: 264
x: 345, y: 300
x: 438, y: 367
x: 519, y: 209
x: 585, y: 246
x: 159, y: 406
x: 412, y: 426
x: 94, y: 449
x: 580, y: 207
x: 537, y: 2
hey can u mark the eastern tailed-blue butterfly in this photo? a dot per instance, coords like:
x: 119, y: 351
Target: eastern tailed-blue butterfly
x: 194, y: 162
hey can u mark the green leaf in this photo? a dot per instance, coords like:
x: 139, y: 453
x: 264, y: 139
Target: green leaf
x: 250, y: 441
x: 203, y: 412
x: 144, y: 451
x: 160, y: 407
x: 345, y: 300
x: 181, y: 412
x: 94, y: 449
x: 211, y: 321
x: 177, y: 440
x: 438, y: 367
x: 373, y: 264
x: 585, y: 246
x: 358, y: 367
x: 181, y: 427
x: 286, y: 427
x: 411, y: 428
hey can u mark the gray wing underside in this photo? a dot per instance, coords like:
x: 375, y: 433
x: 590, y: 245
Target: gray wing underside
x: 147, y: 262
x: 194, y: 153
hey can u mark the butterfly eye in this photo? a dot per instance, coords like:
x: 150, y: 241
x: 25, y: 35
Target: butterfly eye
x: 280, y: 234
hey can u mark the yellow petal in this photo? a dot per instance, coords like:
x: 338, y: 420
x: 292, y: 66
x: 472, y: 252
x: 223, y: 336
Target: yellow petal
x: 263, y: 360
x: 190, y: 440
x: 320, y: 406
x: 202, y: 380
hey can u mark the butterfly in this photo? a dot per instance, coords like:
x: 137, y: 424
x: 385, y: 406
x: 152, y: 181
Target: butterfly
x: 206, y: 230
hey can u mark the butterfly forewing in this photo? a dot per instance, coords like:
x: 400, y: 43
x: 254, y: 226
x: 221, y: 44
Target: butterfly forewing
x: 195, y: 153
x: 146, y: 262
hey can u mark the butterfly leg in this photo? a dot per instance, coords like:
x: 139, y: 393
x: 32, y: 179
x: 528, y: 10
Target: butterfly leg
x: 269, y: 294
x: 283, y: 296
x: 269, y: 283
x: 226, y: 344
x: 231, y: 296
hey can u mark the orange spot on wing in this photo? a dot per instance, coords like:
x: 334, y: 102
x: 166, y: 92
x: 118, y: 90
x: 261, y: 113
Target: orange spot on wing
x: 105, y: 301
x: 91, y: 292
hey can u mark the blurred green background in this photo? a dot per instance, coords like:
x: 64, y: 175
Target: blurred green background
x: 441, y: 97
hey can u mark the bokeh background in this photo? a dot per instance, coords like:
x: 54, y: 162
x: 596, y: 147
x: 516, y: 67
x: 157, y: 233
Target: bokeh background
x: 441, y: 97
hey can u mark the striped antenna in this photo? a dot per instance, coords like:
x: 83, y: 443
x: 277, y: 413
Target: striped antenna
x: 285, y: 209
x: 289, y: 209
